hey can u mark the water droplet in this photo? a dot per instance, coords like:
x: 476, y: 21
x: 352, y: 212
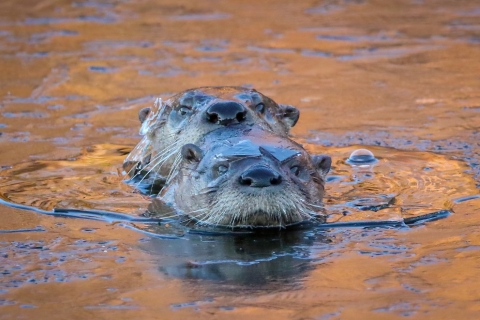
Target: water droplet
x: 361, y: 157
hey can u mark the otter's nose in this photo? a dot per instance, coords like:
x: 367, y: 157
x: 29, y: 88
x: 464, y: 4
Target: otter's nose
x: 226, y: 112
x: 260, y: 177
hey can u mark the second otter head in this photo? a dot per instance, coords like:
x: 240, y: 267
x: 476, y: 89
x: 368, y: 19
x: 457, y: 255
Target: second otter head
x: 220, y: 106
x: 189, y: 116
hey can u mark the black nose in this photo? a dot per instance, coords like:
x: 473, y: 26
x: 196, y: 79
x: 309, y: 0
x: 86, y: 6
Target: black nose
x: 260, y: 177
x: 226, y: 112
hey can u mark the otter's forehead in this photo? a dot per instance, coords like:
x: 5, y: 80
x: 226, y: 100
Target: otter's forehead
x: 247, y: 148
x: 281, y: 154
x: 223, y: 92
x: 194, y: 98
x: 200, y: 96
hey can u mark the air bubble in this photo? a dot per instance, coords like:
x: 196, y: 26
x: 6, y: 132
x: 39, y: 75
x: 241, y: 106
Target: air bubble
x: 361, y: 157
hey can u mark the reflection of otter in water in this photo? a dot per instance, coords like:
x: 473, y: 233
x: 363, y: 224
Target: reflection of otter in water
x: 271, y: 259
x: 242, y: 176
x: 188, y: 116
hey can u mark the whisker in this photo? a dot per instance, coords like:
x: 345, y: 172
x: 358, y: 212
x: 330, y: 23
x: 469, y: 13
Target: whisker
x: 198, y: 218
x: 140, y: 149
x: 158, y: 164
x: 206, y: 191
x: 312, y: 205
x: 174, y: 167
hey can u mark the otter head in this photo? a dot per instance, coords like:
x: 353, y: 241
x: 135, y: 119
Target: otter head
x: 249, y: 185
x: 190, y: 115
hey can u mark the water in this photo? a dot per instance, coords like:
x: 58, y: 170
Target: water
x: 400, y: 80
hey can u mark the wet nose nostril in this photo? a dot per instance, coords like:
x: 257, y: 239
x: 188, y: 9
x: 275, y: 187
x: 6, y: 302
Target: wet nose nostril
x: 241, y: 116
x: 276, y: 180
x: 260, y: 177
x: 212, y: 117
x: 245, y: 181
x: 226, y: 112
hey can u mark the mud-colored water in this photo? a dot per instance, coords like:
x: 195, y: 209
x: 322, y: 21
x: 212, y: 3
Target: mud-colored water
x: 400, y: 78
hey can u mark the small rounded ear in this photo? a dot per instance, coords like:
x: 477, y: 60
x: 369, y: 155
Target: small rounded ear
x: 322, y: 163
x: 143, y: 114
x: 290, y: 114
x: 192, y: 153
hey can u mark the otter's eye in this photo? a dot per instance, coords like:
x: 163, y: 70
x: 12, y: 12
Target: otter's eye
x: 260, y: 108
x: 295, y: 170
x: 222, y: 169
x: 184, y: 110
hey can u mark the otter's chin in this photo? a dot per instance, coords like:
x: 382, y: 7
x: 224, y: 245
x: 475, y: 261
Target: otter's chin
x: 259, y: 218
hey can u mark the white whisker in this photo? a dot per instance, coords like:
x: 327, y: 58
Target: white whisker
x: 159, y: 163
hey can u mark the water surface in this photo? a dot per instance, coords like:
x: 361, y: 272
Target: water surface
x: 399, y: 78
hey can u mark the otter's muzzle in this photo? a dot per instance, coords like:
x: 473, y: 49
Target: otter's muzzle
x: 260, y: 177
x: 226, y: 112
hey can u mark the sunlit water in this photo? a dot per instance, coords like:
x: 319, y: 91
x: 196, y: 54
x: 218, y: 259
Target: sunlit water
x: 399, y: 79
x: 393, y: 186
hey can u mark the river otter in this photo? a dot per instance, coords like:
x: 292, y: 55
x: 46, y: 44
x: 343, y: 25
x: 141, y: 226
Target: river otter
x: 188, y: 116
x: 244, y: 176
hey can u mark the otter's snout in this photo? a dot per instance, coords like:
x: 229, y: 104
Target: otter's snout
x: 226, y: 112
x: 260, y: 177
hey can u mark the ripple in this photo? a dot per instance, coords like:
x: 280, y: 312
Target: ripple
x: 201, y: 16
x: 314, y: 53
x: 396, y: 188
x: 383, y: 53
x: 325, y: 9
x: 271, y: 50
x: 101, y: 69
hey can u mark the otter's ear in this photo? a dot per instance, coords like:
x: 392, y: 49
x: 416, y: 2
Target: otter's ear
x: 192, y: 153
x: 290, y: 114
x: 143, y: 114
x: 322, y: 163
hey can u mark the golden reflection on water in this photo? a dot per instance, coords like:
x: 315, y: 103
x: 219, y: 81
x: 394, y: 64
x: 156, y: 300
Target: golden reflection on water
x: 402, y: 74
